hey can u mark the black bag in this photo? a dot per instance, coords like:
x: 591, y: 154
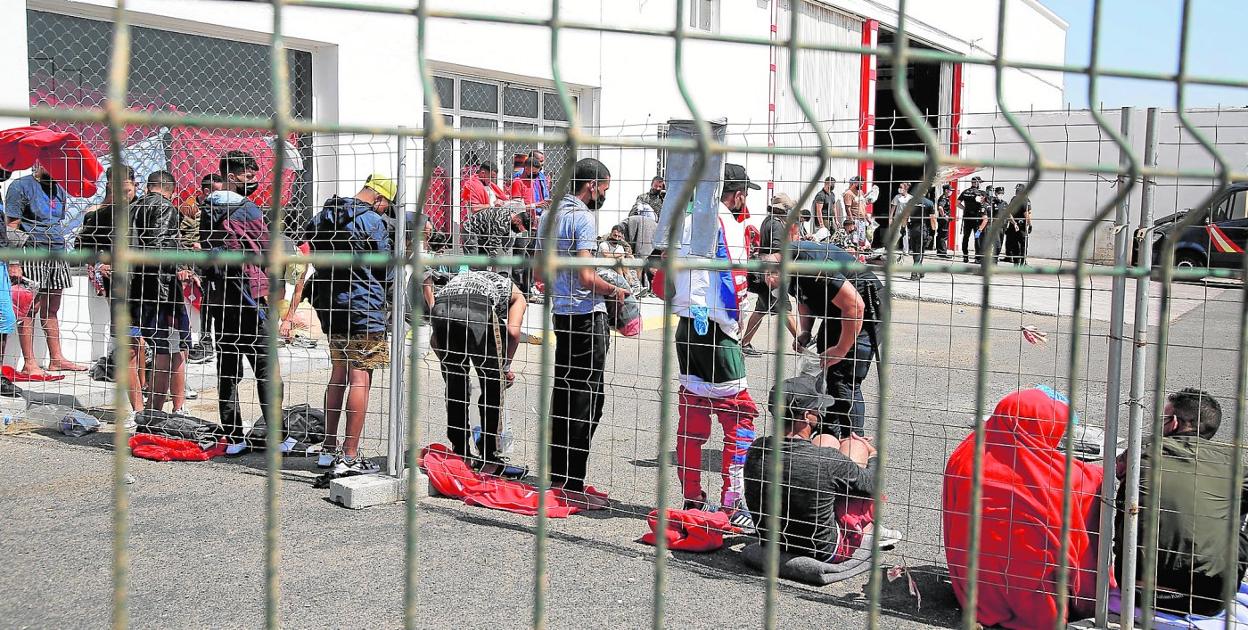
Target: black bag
x: 303, y: 422
x: 157, y: 422
x: 102, y: 369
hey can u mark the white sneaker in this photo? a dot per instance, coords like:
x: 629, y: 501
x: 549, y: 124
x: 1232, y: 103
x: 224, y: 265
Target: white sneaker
x: 180, y: 412
x: 359, y: 466
x: 132, y: 422
x: 234, y: 450
x: 191, y: 393
x: 327, y: 458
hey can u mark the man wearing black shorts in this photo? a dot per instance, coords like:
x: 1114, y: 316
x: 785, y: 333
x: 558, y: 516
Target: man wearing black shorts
x: 768, y: 302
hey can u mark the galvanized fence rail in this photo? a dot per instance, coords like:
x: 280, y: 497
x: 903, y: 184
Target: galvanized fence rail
x: 403, y: 433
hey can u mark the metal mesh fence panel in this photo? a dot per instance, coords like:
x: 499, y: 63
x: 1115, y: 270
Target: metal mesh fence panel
x: 304, y: 269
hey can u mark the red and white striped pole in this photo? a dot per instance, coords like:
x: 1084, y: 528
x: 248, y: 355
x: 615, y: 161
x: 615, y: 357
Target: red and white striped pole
x: 866, y: 101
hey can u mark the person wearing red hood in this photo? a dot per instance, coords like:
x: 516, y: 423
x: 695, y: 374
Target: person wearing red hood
x: 1020, y: 539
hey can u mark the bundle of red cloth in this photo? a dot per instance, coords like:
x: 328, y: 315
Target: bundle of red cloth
x: 451, y: 476
x: 690, y: 530
x: 165, y: 449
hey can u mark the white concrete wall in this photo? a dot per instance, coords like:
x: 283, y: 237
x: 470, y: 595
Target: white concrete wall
x: 1065, y: 202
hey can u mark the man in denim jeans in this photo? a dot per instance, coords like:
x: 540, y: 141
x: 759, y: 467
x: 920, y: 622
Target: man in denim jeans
x: 582, y: 336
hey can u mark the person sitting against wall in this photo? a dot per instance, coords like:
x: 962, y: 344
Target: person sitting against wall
x: 1024, y: 473
x: 1194, y: 493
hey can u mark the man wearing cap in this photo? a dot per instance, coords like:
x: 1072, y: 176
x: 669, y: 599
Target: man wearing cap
x: 826, y: 483
x: 768, y: 301
x: 855, y: 200
x: 971, y: 203
x: 712, y: 365
x: 352, y: 304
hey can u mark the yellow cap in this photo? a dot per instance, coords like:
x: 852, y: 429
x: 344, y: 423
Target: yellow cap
x: 382, y: 185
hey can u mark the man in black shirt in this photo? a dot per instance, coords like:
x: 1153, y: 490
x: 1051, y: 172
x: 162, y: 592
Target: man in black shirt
x: 994, y: 205
x: 1017, y: 230
x: 922, y: 224
x: 942, y: 221
x: 772, y: 236
x: 825, y: 211
x: 971, y: 202
x: 818, y: 475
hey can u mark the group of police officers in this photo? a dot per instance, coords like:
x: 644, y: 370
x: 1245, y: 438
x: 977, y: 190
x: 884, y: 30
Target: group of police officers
x: 979, y: 206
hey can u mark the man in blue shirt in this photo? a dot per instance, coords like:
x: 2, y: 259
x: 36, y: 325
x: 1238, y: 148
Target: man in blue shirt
x: 35, y: 204
x: 582, y: 336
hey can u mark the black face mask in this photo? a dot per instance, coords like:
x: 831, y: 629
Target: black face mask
x: 247, y: 188
x: 596, y: 202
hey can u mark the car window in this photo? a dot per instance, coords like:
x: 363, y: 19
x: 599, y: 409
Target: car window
x: 1229, y: 208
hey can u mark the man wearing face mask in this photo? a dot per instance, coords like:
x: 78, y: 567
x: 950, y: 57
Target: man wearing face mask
x: 235, y: 296
x: 582, y: 336
x: 712, y: 366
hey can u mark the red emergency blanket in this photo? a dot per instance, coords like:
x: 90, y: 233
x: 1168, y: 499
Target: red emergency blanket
x: 690, y: 530
x: 1023, y: 474
x: 63, y: 154
x: 165, y: 449
x: 451, y: 476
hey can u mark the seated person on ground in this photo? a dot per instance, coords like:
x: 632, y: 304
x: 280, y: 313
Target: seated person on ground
x: 1194, y: 492
x: 615, y: 245
x: 1019, y: 546
x: 824, y: 481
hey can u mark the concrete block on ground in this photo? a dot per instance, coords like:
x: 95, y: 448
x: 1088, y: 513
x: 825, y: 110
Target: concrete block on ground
x: 363, y: 491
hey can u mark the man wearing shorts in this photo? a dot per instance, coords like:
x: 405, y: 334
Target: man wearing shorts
x: 35, y: 204
x: 768, y: 301
x: 352, y: 304
x: 156, y: 303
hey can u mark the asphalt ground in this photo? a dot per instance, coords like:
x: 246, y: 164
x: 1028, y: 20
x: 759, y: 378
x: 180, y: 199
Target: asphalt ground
x: 196, y: 548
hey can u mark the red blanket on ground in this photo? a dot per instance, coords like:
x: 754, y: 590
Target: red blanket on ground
x: 1020, y: 543
x: 67, y: 159
x: 166, y: 449
x: 451, y: 476
x: 691, y: 530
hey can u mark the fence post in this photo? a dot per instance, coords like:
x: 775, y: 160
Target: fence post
x: 398, y: 319
x: 1139, y: 358
x: 1113, y: 391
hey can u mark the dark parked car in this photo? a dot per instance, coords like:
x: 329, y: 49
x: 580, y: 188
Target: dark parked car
x: 1217, y: 240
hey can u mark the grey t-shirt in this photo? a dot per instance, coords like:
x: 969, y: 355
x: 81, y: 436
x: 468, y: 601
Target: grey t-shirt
x: 812, y: 479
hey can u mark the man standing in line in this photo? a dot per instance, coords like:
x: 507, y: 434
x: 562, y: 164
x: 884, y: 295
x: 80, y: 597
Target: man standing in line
x: 971, y: 203
x: 353, y: 306
x: 827, y: 210
x: 640, y: 228
x: 855, y: 200
x: 202, y: 351
x: 156, y: 307
x: 922, y: 223
x: 582, y: 336
x: 712, y: 366
x: 1017, y: 230
x: 35, y: 205
x: 942, y: 221
x: 994, y: 205
x: 235, y: 296
x: 654, y: 197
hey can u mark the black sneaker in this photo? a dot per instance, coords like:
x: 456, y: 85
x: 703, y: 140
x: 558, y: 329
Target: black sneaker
x: 501, y: 468
x: 741, y: 518
x: 199, y: 354
x: 700, y: 504
x: 8, y: 389
x: 749, y: 351
x: 344, y: 467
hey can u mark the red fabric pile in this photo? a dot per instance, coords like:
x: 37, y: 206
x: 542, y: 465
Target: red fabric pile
x: 691, y: 530
x: 166, y: 449
x: 1024, y: 472
x: 63, y: 154
x: 451, y: 476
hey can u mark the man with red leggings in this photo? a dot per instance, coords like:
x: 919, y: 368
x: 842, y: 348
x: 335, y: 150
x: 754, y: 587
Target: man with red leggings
x: 712, y: 366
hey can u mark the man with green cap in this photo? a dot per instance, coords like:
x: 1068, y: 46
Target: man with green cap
x: 352, y: 304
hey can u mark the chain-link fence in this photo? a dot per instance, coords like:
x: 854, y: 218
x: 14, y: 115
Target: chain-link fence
x: 958, y: 492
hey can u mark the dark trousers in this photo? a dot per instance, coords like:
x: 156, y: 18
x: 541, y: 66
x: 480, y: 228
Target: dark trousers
x: 968, y: 234
x: 844, y: 383
x: 881, y: 230
x: 581, y: 344
x: 917, y: 234
x: 942, y: 236
x: 239, y: 336
x: 1016, y: 247
x: 522, y: 275
x: 464, y: 336
x: 982, y: 246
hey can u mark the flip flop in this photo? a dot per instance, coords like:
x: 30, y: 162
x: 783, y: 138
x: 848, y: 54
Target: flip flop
x: 20, y: 377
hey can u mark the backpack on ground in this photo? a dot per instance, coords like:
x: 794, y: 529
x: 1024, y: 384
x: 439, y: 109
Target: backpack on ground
x: 304, y: 423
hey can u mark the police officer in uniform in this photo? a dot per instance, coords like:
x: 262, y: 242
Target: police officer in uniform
x: 994, y: 205
x: 942, y: 221
x: 971, y: 203
x: 1017, y: 230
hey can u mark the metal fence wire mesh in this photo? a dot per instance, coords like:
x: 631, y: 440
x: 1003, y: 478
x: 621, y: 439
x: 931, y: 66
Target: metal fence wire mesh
x: 1060, y: 278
